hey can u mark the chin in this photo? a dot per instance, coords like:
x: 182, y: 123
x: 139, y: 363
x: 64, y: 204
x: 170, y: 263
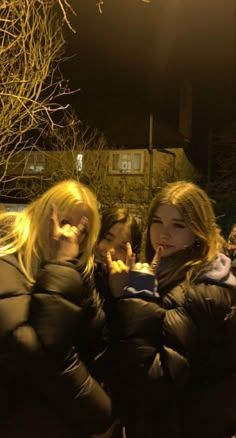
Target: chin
x: 168, y: 251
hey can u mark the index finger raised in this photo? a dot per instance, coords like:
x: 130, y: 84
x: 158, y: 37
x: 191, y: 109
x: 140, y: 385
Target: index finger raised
x: 156, y: 259
x: 130, y: 256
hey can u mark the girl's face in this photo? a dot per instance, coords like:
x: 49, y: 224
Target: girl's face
x: 115, y: 240
x: 169, y: 230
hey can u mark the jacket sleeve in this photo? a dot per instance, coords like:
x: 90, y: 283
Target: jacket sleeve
x: 65, y: 310
x: 57, y: 319
x: 137, y: 364
x: 174, y: 341
x: 135, y: 329
x: 196, y: 329
x: 68, y: 319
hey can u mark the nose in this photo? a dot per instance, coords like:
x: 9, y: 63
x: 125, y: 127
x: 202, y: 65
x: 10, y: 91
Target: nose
x: 165, y: 231
x: 105, y: 247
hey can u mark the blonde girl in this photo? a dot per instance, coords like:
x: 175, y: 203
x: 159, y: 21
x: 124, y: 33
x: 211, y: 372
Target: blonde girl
x: 51, y: 318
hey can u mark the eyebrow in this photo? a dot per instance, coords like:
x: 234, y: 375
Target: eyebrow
x: 182, y: 221
x: 113, y: 235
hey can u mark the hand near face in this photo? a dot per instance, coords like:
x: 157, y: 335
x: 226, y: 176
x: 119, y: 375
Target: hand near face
x: 118, y: 271
x: 146, y: 268
x: 142, y: 275
x: 67, y: 237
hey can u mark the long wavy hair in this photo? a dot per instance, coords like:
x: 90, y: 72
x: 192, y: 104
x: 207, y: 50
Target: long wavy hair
x: 27, y: 233
x: 114, y: 215
x: 197, y: 211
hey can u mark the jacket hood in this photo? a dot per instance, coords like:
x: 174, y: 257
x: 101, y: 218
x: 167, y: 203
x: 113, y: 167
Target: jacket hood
x: 220, y: 272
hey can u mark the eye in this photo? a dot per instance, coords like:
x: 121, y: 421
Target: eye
x: 181, y: 226
x: 156, y: 221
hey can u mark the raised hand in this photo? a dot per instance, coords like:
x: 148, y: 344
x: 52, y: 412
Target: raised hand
x: 146, y: 267
x: 142, y: 280
x: 67, y: 237
x: 118, y: 271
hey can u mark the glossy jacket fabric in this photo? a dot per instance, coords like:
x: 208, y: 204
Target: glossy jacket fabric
x: 174, y: 362
x: 49, y: 335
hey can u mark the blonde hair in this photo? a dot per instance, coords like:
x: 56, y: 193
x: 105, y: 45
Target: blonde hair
x: 27, y: 233
x: 197, y: 211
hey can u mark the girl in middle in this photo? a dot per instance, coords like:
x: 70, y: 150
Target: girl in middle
x: 118, y: 227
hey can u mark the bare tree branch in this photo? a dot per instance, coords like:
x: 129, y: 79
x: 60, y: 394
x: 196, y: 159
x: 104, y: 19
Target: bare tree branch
x: 31, y: 84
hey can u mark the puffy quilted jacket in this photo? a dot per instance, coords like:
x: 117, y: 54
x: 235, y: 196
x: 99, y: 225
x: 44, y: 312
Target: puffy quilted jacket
x: 173, y: 362
x: 49, y: 335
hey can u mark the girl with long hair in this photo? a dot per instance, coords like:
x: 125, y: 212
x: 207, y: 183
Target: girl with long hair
x: 174, y: 336
x: 51, y: 318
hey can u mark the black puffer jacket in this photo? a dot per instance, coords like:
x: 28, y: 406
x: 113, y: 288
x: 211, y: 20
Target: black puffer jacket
x: 174, y: 362
x: 49, y: 335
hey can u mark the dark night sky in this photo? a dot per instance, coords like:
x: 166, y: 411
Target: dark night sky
x: 134, y: 55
